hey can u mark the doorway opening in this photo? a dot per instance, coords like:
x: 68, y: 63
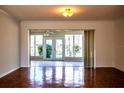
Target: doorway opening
x: 52, y: 46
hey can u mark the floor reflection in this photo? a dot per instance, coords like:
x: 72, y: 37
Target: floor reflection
x: 64, y: 76
x: 56, y: 63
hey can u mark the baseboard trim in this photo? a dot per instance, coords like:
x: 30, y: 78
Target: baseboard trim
x: 25, y: 66
x: 120, y: 69
x: 9, y: 72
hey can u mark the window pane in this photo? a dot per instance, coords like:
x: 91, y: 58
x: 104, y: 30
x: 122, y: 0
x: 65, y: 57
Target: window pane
x: 69, y: 45
x: 32, y: 45
x: 38, y: 44
x: 58, y: 48
x: 77, y: 45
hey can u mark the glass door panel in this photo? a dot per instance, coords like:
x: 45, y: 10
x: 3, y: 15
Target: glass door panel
x: 53, y: 48
x: 48, y: 49
x: 58, y: 49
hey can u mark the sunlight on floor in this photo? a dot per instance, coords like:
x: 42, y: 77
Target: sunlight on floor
x: 69, y: 74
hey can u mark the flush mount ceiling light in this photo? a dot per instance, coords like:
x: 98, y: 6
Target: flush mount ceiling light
x: 67, y: 12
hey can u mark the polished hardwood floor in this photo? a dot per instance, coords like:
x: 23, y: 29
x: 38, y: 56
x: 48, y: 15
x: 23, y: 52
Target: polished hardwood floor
x: 63, y: 77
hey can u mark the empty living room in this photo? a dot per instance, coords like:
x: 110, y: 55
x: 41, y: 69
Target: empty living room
x: 61, y: 46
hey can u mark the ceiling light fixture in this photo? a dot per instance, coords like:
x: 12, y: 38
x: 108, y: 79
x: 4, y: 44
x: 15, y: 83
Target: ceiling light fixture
x: 48, y: 33
x: 67, y: 12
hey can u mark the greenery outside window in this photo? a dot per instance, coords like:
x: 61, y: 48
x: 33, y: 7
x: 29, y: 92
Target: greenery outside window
x: 73, y: 45
x: 36, y: 42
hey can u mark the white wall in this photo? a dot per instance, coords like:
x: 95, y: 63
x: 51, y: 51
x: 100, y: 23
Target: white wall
x: 104, y: 32
x: 9, y: 44
x: 119, y: 44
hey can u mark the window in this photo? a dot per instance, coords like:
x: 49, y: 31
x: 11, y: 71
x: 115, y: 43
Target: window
x: 73, y: 45
x: 36, y: 44
x: 77, y: 45
x: 69, y: 45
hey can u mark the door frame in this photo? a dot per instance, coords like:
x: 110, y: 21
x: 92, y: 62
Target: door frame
x: 53, y: 48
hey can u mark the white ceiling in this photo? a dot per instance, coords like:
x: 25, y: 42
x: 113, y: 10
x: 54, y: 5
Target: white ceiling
x: 51, y: 12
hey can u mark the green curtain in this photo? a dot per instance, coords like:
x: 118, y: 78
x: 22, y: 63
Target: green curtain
x: 89, y: 48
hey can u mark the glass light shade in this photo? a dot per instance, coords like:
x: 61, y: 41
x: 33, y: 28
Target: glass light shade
x: 68, y: 12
